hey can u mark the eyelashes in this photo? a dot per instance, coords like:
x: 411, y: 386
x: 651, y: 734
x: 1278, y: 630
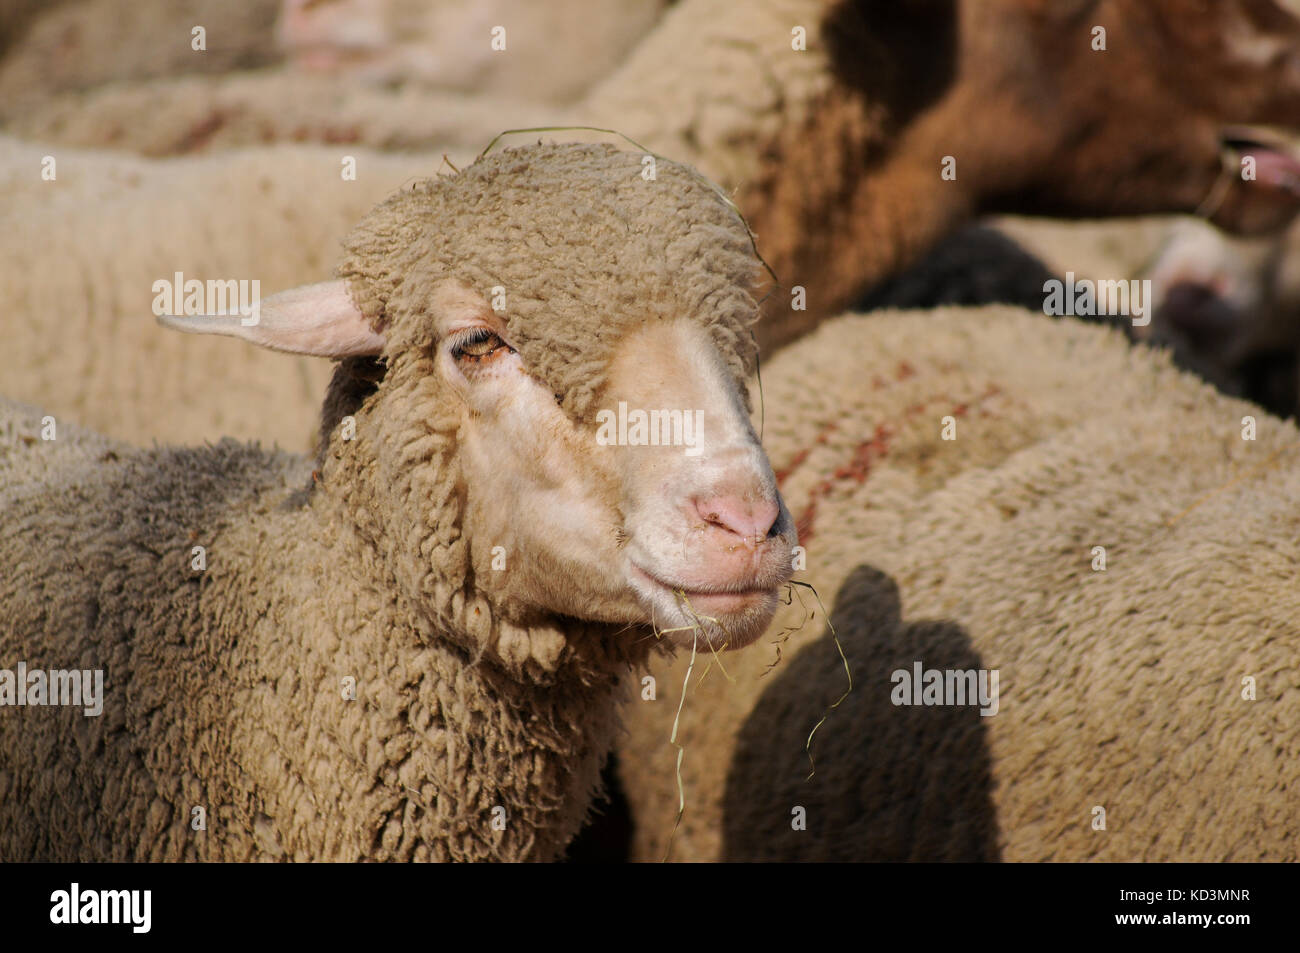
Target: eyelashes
x: 477, y: 346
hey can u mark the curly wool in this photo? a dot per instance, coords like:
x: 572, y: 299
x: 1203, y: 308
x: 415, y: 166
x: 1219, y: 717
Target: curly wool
x: 644, y: 250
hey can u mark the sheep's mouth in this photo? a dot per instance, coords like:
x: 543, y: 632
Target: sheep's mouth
x: 727, y: 616
x: 1276, y: 155
x: 740, y: 591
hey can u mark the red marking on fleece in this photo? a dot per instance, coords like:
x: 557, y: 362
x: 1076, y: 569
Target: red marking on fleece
x: 866, y: 453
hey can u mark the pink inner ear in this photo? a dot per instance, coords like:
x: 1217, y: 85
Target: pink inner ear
x: 319, y: 320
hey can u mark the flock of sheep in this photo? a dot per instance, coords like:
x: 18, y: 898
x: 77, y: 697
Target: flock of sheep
x: 439, y: 619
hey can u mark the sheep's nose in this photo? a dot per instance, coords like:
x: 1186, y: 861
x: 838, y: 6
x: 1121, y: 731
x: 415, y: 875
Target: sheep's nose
x: 751, y: 520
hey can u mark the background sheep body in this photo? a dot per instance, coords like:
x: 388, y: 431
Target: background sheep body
x: 79, y: 285
x: 1120, y: 689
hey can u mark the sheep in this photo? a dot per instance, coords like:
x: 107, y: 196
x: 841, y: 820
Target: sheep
x: 1098, y: 532
x: 77, y: 45
x: 382, y: 73
x: 1229, y: 309
x: 839, y: 170
x: 82, y: 254
x: 550, y: 52
x: 827, y: 155
x: 470, y: 559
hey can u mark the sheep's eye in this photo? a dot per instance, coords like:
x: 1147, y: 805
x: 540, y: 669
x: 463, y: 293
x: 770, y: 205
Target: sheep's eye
x: 477, y: 345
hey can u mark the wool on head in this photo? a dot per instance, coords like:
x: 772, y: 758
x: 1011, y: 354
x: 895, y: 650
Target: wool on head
x: 583, y: 246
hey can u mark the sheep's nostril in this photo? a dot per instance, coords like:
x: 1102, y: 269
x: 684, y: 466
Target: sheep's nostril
x: 752, y: 520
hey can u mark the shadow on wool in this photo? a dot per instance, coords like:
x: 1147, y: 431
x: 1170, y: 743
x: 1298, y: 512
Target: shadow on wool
x: 892, y: 783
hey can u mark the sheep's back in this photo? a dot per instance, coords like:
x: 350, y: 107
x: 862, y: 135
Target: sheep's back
x: 1120, y: 689
x: 98, y: 542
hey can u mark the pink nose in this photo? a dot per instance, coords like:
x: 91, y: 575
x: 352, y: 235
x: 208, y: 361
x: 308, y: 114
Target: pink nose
x: 751, y: 520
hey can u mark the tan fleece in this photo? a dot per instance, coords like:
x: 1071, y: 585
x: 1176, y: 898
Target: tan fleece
x: 583, y: 245
x: 183, y: 115
x: 78, y: 44
x: 79, y: 257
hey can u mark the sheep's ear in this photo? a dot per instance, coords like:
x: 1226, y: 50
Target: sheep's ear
x: 320, y: 320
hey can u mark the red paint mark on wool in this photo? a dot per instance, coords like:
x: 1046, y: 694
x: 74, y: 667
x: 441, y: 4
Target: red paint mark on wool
x: 870, y: 451
x: 858, y: 468
x: 797, y: 461
x: 902, y: 371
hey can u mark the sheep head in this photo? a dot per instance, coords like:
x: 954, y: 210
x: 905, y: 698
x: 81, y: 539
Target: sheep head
x: 543, y: 410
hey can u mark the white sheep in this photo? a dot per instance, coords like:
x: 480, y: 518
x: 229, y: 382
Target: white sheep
x: 414, y: 652
x: 390, y: 74
x: 83, y: 253
x: 551, y: 52
x: 1116, y: 540
x: 507, y: 49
